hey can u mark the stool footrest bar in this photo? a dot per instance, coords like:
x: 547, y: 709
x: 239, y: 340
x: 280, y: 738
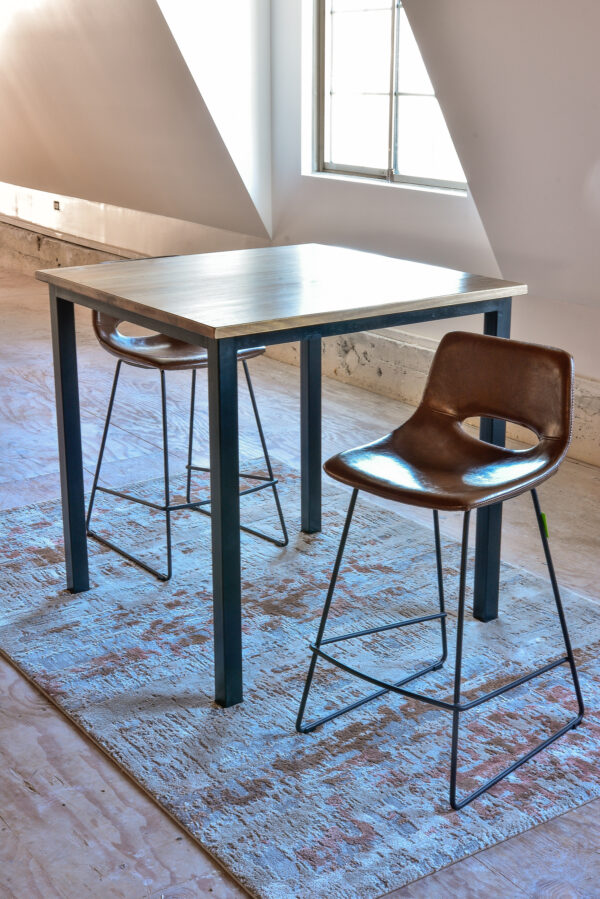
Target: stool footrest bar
x: 248, y: 530
x: 384, y: 627
x: 243, y: 474
x: 386, y: 685
x: 177, y: 507
x: 160, y: 507
x: 464, y: 707
x: 162, y: 576
x: 385, y: 688
x: 570, y: 725
x: 440, y: 703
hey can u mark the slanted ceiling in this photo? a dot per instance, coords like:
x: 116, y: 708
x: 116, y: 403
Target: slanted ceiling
x: 97, y: 102
x: 518, y: 83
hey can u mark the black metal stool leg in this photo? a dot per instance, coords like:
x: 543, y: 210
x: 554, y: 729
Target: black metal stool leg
x: 332, y: 583
x: 188, y: 485
x: 440, y: 577
x: 163, y: 396
x: 559, y: 606
x: 384, y: 686
x: 263, y: 483
x: 263, y: 442
x: 102, y: 445
x: 458, y: 663
x: 457, y: 707
x: 167, y: 508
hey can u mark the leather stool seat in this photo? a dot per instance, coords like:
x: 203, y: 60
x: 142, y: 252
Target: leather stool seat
x: 435, y: 464
x: 155, y: 350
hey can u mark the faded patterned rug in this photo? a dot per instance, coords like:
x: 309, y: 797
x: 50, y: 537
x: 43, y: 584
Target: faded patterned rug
x: 359, y: 807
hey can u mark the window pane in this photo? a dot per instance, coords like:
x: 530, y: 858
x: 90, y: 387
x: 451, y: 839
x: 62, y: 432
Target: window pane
x: 355, y: 95
x: 425, y: 149
x: 360, y: 52
x: 412, y: 74
x: 342, y: 5
x: 358, y: 131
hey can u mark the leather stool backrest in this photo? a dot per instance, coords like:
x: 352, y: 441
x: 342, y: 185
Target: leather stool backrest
x: 105, y: 326
x: 476, y: 375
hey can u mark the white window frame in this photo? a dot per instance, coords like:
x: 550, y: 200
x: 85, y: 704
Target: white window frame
x: 390, y: 174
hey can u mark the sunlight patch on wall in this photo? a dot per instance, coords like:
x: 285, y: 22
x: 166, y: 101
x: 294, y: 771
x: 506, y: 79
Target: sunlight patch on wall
x: 11, y: 10
x: 226, y: 47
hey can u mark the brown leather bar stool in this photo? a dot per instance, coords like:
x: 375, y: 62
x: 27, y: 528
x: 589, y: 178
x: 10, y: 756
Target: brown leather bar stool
x: 432, y: 462
x: 156, y: 351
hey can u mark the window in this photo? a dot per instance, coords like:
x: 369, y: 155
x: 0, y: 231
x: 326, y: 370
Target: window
x: 378, y: 114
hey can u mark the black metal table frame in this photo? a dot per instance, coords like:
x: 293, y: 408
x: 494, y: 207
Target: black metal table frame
x: 224, y: 454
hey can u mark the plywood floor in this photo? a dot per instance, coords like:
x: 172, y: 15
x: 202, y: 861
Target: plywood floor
x: 71, y: 824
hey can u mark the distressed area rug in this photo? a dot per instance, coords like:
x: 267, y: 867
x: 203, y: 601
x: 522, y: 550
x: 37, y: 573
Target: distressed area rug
x: 359, y: 807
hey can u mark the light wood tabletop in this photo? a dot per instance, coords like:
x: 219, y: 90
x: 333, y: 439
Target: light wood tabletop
x: 236, y: 293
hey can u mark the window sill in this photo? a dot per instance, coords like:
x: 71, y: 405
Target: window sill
x: 380, y: 182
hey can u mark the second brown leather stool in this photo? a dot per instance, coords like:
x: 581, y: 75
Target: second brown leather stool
x: 162, y: 353
x: 432, y: 462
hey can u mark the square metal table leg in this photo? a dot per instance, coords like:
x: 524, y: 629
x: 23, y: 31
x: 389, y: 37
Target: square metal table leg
x: 310, y: 432
x: 64, y: 349
x: 489, y: 519
x: 225, y: 520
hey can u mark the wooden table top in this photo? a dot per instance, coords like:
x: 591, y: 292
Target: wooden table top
x: 241, y: 292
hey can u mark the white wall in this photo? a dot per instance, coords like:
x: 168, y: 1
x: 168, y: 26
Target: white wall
x: 97, y: 102
x: 518, y: 83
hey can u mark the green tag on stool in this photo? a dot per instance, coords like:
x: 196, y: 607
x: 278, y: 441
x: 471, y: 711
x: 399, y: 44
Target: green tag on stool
x: 545, y: 523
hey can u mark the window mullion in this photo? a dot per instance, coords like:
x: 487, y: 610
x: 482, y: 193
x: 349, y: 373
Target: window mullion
x: 320, y: 81
x: 393, y: 85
